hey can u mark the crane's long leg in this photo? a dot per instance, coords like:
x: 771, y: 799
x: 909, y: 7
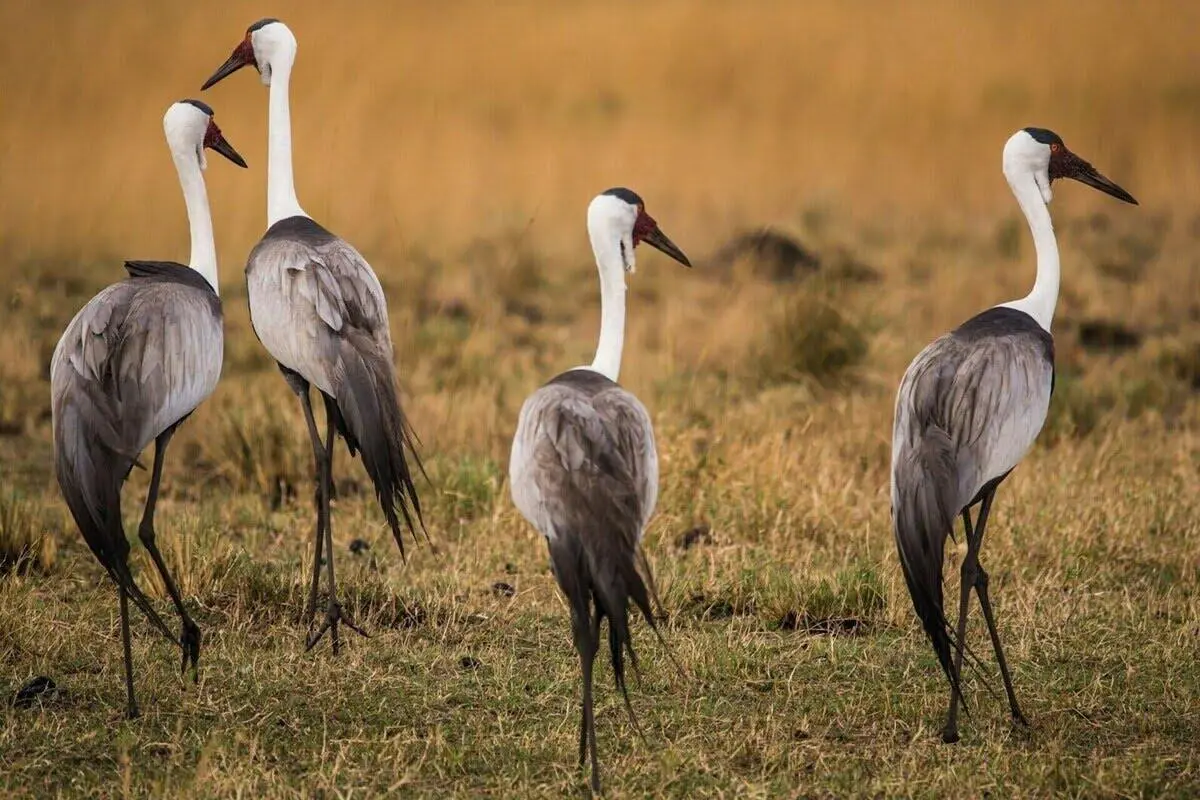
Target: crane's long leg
x: 131, y: 707
x: 969, y: 565
x: 587, y: 642
x: 334, y: 613
x: 985, y: 603
x: 189, y: 639
x: 301, y: 388
x: 326, y: 501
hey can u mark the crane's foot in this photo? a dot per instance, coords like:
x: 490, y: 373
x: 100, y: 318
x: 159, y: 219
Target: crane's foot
x: 334, y: 615
x: 189, y: 642
x: 1019, y: 718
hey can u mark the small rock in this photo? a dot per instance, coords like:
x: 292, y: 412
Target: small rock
x: 456, y: 308
x: 35, y: 690
x: 470, y: 662
x: 502, y: 589
x: 773, y: 256
x: 530, y: 312
x: 359, y: 546
x: 1103, y: 335
x: 700, y: 534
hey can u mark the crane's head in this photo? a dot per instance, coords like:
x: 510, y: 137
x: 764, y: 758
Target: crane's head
x: 190, y: 128
x: 269, y: 44
x: 1042, y: 153
x: 618, y: 222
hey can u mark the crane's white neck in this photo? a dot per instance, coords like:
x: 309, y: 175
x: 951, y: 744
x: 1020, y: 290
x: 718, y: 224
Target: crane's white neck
x: 204, y: 249
x: 281, y: 186
x: 1042, y: 299
x: 612, y: 304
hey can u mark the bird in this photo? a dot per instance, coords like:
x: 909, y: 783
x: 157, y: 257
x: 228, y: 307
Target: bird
x: 319, y: 310
x: 969, y: 408
x: 130, y: 367
x: 583, y: 468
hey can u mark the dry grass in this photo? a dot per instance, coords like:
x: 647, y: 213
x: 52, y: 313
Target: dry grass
x: 457, y: 145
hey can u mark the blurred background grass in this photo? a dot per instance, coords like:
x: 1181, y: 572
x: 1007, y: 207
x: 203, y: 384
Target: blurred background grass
x: 436, y: 123
x: 834, y: 171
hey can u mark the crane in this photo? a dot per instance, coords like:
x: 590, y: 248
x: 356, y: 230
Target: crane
x: 584, y: 470
x: 318, y: 308
x: 128, y: 370
x: 969, y: 408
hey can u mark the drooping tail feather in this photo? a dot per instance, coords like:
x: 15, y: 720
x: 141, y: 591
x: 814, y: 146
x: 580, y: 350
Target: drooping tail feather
x: 373, y: 424
x: 609, y: 584
x: 90, y: 469
x: 922, y: 517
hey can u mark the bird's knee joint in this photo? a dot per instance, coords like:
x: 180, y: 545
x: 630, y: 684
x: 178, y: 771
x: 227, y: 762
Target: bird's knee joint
x: 969, y: 571
x: 146, y: 533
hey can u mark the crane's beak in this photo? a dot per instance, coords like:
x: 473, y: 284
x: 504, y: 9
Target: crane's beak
x: 218, y: 144
x: 1065, y: 164
x: 243, y: 56
x: 659, y: 241
x: 1092, y: 177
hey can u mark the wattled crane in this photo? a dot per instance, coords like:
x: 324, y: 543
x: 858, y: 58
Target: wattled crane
x: 318, y: 308
x: 584, y: 470
x: 129, y: 368
x: 968, y: 410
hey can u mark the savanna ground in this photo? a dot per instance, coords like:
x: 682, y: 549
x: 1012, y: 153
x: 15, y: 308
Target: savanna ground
x: 457, y: 146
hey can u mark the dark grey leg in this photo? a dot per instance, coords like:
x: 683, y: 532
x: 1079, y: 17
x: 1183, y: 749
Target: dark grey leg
x: 131, y: 708
x: 334, y: 613
x: 189, y: 639
x: 310, y: 609
x: 985, y: 603
x: 950, y: 731
x: 587, y: 642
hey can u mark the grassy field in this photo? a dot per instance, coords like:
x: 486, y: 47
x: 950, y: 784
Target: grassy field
x: 457, y: 146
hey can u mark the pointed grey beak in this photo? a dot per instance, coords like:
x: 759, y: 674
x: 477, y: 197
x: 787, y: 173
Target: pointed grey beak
x: 243, y: 55
x: 1091, y: 177
x: 226, y: 149
x: 659, y: 241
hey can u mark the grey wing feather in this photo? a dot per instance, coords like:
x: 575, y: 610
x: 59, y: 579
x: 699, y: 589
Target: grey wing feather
x: 578, y: 461
x: 151, y: 350
x: 320, y: 311
x: 303, y: 294
x: 989, y: 396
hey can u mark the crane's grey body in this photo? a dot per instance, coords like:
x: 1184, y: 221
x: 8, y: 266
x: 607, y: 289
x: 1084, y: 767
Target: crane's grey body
x: 309, y: 292
x: 976, y: 398
x: 139, y: 357
x: 584, y: 472
x: 584, y: 462
x: 131, y: 365
x: 969, y: 408
x: 318, y: 308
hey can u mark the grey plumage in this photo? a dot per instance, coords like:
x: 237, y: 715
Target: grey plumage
x: 584, y: 472
x: 968, y: 409
x: 131, y: 365
x: 320, y: 311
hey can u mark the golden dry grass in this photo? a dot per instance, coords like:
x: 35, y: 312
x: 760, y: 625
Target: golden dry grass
x: 457, y: 146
